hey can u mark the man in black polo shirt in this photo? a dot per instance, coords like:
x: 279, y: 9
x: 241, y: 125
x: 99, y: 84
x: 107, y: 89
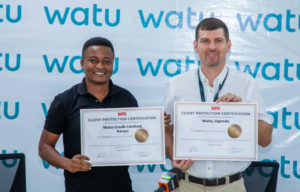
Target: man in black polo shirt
x: 95, y: 91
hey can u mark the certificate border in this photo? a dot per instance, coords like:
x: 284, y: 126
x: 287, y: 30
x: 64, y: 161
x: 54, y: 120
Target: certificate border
x: 160, y: 109
x: 255, y: 157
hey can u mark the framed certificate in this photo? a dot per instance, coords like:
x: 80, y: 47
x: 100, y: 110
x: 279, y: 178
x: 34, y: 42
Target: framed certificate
x: 123, y: 136
x: 210, y: 131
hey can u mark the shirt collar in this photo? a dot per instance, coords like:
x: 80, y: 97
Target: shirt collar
x: 113, y: 89
x: 220, y: 78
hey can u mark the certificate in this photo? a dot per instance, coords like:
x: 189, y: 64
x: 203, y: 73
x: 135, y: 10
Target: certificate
x: 211, y: 131
x: 123, y: 136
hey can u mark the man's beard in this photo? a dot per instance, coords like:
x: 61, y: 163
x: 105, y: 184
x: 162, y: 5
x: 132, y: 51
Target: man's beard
x: 212, y: 63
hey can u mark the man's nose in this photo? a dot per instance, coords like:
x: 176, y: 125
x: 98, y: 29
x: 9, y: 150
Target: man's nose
x: 99, y: 65
x: 212, y: 45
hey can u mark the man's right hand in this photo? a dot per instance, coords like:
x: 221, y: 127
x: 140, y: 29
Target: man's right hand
x: 184, y: 165
x: 78, y: 163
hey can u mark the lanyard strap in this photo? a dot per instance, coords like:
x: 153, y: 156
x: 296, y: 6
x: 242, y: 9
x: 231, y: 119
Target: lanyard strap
x: 202, y: 88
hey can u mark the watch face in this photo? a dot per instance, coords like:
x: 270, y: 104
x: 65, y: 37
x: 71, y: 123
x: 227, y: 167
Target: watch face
x: 234, y: 131
x: 141, y: 135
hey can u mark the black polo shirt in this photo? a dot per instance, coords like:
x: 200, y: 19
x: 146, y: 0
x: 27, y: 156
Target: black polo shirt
x: 64, y: 117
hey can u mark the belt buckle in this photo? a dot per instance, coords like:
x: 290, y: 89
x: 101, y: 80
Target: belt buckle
x: 210, y: 181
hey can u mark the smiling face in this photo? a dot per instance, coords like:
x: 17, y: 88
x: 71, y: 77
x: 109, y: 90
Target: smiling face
x: 98, y: 64
x: 212, y: 47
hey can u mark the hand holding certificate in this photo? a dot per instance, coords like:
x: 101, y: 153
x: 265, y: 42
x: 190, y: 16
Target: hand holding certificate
x: 210, y: 131
x: 123, y: 136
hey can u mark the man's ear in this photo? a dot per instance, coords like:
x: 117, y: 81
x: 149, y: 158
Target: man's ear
x: 228, y: 45
x: 82, y: 64
x: 195, y: 46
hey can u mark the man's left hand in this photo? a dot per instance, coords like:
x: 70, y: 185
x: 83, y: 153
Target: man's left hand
x: 184, y: 165
x: 229, y: 98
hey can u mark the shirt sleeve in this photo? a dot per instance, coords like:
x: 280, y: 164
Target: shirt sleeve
x: 255, y: 96
x: 169, y: 102
x: 56, y: 119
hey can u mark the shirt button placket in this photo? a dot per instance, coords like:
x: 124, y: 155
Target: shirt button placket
x: 209, y: 171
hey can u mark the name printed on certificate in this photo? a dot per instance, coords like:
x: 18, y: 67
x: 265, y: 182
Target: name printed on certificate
x: 123, y: 136
x: 210, y: 131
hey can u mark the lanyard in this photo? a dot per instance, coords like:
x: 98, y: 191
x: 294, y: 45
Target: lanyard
x: 202, y: 89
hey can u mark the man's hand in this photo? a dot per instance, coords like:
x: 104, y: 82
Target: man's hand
x: 167, y: 120
x: 78, y: 163
x: 229, y: 98
x: 264, y: 133
x: 184, y: 165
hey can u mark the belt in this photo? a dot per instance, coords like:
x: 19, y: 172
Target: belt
x: 213, y: 182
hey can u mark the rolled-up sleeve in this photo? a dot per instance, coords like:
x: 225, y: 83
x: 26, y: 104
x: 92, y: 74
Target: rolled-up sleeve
x: 256, y: 96
x: 56, y: 119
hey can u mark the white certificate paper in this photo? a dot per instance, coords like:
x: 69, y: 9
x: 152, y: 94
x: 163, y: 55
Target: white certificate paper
x: 123, y: 136
x: 210, y: 131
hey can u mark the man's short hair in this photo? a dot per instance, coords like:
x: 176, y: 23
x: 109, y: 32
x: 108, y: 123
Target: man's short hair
x: 100, y: 41
x: 210, y: 24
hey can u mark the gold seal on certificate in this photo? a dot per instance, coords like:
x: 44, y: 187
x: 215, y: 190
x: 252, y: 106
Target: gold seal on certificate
x: 234, y: 131
x: 141, y: 135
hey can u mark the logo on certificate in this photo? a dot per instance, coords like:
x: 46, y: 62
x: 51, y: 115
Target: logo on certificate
x: 234, y: 131
x: 141, y: 135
